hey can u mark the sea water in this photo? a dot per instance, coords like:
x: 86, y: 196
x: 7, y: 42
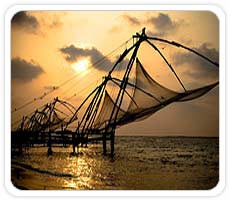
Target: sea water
x: 151, y: 163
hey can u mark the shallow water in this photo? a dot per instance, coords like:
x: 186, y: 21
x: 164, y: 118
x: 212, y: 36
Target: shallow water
x: 139, y: 163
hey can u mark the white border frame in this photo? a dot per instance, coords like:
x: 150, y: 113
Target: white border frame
x: 222, y: 127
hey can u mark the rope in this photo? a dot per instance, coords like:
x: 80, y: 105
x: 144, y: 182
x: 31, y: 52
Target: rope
x: 185, y: 47
x: 68, y: 80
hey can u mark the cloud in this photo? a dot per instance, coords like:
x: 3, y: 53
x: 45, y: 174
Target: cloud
x: 131, y: 20
x: 200, y: 67
x: 25, y: 71
x: 163, y: 24
x: 56, y: 23
x: 159, y: 25
x: 73, y: 54
x: 39, y: 25
x: 52, y: 20
x: 25, y: 21
x: 156, y: 33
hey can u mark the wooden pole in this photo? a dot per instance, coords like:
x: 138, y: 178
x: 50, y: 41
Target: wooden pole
x: 104, y: 143
x: 121, y: 95
x: 49, y: 152
x: 73, y: 142
x: 112, y: 140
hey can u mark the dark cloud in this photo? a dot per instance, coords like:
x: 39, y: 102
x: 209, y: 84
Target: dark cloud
x: 160, y: 25
x: 198, y: 67
x: 25, y: 71
x: 163, y: 24
x: 131, y: 20
x: 73, y: 54
x: 25, y: 21
x: 155, y: 34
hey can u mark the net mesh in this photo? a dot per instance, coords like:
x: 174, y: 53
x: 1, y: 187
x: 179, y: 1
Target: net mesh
x: 106, y: 111
x: 147, y: 92
x: 196, y: 93
x: 147, y: 98
x: 40, y: 121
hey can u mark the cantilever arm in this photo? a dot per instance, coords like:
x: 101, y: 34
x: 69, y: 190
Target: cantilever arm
x: 166, y: 61
x: 184, y: 47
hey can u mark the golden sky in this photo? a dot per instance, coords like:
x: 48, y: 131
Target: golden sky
x: 50, y: 47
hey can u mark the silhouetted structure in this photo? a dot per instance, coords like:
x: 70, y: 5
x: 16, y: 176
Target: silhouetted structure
x: 135, y: 99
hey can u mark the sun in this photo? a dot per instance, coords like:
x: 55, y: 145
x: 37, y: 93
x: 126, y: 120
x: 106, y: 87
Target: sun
x: 81, y: 65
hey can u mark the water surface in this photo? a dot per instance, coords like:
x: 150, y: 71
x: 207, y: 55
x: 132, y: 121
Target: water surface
x: 150, y: 163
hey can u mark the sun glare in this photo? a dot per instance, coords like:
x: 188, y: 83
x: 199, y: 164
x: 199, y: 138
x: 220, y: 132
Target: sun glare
x: 81, y: 65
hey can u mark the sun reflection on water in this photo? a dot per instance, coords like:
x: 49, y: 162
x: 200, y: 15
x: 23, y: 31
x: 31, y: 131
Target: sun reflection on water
x: 81, y: 168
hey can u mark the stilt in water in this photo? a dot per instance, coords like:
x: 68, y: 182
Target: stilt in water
x: 112, y: 140
x: 74, y: 144
x: 63, y: 137
x: 49, y: 152
x: 104, y: 143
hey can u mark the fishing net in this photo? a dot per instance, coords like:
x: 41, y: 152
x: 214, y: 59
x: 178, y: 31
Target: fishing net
x: 147, y: 98
x: 147, y: 92
x: 196, y: 93
x: 43, y: 120
x: 106, y: 111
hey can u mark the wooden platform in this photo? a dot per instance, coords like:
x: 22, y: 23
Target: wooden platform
x: 21, y: 141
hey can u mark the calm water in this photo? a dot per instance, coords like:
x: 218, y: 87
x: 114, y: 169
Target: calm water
x: 139, y: 163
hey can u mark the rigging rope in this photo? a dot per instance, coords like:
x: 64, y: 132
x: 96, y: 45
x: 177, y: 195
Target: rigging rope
x: 68, y: 80
x: 117, y: 70
x: 185, y: 47
x: 169, y: 65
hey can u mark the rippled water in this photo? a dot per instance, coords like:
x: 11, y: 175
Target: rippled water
x: 139, y: 163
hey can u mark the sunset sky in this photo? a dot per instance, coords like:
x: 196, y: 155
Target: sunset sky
x: 50, y: 47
